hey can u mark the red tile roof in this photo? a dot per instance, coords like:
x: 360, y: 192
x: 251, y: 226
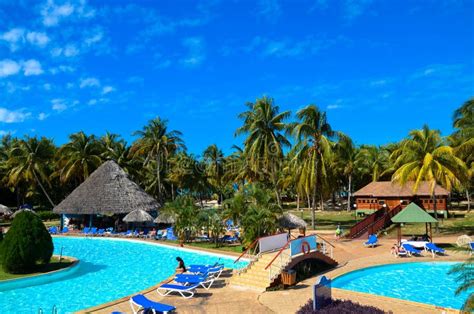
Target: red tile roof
x: 389, y: 189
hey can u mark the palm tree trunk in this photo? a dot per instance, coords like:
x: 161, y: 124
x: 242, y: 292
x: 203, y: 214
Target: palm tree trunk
x: 435, y: 212
x: 172, y: 191
x: 298, y: 201
x: 468, y: 196
x: 158, y: 178
x: 43, y: 189
x: 313, y: 208
x: 321, y: 201
x: 277, y: 194
x: 349, y: 186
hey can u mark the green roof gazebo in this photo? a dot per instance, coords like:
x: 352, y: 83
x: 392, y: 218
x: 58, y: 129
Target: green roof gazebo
x: 413, y: 214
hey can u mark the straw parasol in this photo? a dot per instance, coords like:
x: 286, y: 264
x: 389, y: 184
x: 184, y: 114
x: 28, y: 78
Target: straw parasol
x: 22, y: 210
x: 290, y: 221
x: 165, y: 218
x: 107, y: 191
x: 138, y: 215
x: 5, y: 210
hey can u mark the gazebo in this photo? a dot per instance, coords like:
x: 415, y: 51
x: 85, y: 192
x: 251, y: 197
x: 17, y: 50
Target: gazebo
x: 107, y: 191
x: 413, y: 214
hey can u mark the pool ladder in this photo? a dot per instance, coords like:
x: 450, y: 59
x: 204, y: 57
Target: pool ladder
x: 54, y: 310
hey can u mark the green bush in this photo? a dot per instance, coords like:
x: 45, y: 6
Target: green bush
x: 25, y: 244
x: 47, y: 215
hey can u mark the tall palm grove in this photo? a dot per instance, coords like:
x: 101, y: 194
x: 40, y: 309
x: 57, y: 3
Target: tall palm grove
x: 285, y: 157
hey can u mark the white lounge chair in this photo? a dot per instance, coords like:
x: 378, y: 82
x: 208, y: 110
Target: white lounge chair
x: 140, y: 302
x: 185, y: 291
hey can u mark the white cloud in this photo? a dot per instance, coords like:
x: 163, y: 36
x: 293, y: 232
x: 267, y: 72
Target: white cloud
x: 9, y: 116
x: 196, y: 54
x: 42, y: 116
x: 89, y: 82
x: 70, y: 50
x: 378, y: 83
x: 47, y: 86
x: 92, y: 102
x: 39, y: 39
x: 13, y: 37
x: 95, y: 37
x: 32, y: 67
x: 107, y: 89
x: 334, y: 106
x: 58, y: 105
x: 8, y: 67
x: 355, y: 8
x: 53, y: 13
x: 62, y: 68
x: 269, y: 10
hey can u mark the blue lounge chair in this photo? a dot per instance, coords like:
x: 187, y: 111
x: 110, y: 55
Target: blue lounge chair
x: 185, y: 291
x: 204, y: 281
x: 53, y: 230
x: 372, y: 242
x: 471, y: 246
x: 140, y: 302
x: 170, y: 234
x: 228, y: 239
x: 86, y: 230
x: 410, y: 249
x: 65, y: 230
x: 93, y: 231
x: 100, y: 232
x: 433, y: 249
x: 214, y: 270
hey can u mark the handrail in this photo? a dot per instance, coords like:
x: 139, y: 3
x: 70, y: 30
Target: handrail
x: 278, y: 254
x: 247, y: 249
x: 254, y: 243
x: 385, y: 219
x: 325, y: 240
x: 366, y: 222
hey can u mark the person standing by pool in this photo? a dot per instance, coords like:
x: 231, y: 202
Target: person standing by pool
x: 181, y: 267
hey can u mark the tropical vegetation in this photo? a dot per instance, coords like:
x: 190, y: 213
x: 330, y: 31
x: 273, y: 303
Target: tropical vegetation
x: 283, y: 158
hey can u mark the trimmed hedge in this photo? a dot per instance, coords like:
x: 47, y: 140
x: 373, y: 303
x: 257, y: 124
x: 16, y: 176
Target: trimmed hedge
x: 25, y: 244
x: 340, y: 307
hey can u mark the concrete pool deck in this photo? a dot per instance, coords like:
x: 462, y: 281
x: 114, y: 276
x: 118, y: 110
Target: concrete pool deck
x: 351, y: 255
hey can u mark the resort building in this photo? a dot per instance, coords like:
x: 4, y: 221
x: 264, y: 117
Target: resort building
x: 375, y: 195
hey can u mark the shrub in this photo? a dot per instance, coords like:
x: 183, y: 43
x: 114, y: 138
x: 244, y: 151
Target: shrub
x: 26, y: 243
x: 340, y: 307
x: 47, y: 215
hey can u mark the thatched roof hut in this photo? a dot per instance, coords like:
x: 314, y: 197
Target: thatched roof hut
x: 107, y: 191
x: 165, y: 218
x: 290, y: 221
x: 138, y: 215
x: 4, y: 210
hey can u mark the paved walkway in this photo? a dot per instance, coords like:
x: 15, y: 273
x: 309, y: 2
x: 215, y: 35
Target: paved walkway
x: 351, y: 255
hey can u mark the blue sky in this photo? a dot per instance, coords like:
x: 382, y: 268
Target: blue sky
x: 379, y: 68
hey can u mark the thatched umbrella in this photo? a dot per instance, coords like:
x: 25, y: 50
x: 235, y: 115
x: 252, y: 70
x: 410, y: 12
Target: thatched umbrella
x: 5, y: 210
x: 138, y: 215
x: 290, y: 221
x: 165, y: 218
x: 22, y: 210
x: 107, y: 191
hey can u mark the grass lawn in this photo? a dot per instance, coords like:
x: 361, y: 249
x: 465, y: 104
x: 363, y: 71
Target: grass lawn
x: 462, y: 223
x: 328, y: 220
x: 40, y: 269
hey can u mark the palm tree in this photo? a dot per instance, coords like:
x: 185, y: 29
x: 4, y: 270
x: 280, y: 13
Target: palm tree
x: 263, y: 125
x: 373, y: 161
x: 424, y: 157
x: 313, y: 147
x: 347, y: 159
x: 465, y: 276
x: 156, y: 143
x: 29, y: 163
x: 79, y: 158
x: 214, y: 157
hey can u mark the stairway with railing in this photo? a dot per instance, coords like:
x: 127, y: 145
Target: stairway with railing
x: 374, y: 222
x: 265, y: 267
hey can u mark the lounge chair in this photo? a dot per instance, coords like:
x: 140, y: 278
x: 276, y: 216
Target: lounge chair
x: 372, y: 242
x: 204, y: 281
x: 471, y: 246
x: 86, y: 230
x: 53, y: 230
x: 433, y: 249
x: 65, y: 230
x: 144, y: 234
x: 140, y: 302
x: 229, y: 239
x: 410, y: 249
x: 185, y: 291
x: 159, y: 235
x: 93, y: 231
x: 101, y: 232
x: 170, y: 234
x: 214, y: 270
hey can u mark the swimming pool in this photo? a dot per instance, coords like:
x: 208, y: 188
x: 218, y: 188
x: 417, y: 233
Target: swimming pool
x: 419, y: 282
x: 108, y: 269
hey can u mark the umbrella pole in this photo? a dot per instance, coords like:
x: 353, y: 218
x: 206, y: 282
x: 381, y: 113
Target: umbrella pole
x: 431, y: 233
x: 426, y: 228
x: 399, y: 234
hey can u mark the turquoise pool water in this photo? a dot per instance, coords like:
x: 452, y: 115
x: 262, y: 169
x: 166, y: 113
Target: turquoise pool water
x: 419, y: 282
x: 108, y: 269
